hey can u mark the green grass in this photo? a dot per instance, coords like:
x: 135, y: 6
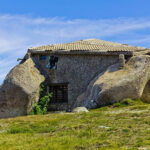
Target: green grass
x: 120, y: 126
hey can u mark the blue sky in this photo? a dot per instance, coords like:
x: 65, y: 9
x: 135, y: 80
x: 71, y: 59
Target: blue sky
x: 26, y: 23
x: 75, y: 9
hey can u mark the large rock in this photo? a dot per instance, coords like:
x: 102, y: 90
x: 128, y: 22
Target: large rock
x: 115, y: 84
x: 146, y: 93
x: 80, y: 109
x: 20, y: 90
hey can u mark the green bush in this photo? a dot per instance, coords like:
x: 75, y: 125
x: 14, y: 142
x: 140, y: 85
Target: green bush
x: 125, y: 102
x: 41, y: 106
x: 117, y: 104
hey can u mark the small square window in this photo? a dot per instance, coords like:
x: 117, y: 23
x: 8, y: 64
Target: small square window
x: 42, y: 57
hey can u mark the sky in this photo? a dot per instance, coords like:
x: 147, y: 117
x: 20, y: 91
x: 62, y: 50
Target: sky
x: 29, y: 23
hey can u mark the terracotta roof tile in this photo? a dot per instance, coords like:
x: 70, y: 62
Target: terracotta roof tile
x: 88, y: 45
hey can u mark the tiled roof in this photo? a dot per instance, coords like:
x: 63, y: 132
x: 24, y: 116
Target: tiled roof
x: 91, y: 45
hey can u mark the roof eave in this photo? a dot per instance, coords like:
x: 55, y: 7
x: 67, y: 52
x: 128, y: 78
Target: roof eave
x: 80, y: 52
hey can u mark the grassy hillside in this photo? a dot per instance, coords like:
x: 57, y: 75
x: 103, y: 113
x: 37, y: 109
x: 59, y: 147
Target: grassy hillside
x: 122, y: 126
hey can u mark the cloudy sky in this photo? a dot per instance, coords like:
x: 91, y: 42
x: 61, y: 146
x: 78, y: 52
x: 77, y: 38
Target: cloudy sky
x: 27, y: 23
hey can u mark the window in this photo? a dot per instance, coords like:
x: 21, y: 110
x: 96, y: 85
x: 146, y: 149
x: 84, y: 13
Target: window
x: 42, y: 57
x: 52, y: 62
x: 59, y: 93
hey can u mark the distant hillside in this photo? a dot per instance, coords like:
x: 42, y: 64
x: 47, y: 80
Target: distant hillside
x: 124, y: 125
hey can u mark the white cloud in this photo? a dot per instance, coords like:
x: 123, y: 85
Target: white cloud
x: 17, y: 33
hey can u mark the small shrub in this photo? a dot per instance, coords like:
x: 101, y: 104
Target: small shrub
x: 41, y: 107
x: 125, y: 102
x: 37, y: 109
x: 117, y: 104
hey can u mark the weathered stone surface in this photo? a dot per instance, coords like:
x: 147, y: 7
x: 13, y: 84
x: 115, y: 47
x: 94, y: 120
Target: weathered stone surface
x: 146, y: 93
x: 20, y: 90
x: 121, y: 61
x: 80, y: 109
x: 115, y: 84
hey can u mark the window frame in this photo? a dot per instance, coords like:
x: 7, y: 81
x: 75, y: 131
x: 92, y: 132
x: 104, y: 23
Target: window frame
x: 59, y: 92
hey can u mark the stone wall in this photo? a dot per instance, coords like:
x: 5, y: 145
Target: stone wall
x: 77, y: 70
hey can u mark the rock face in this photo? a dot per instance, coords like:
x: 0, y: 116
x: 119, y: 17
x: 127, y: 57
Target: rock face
x: 146, y: 93
x: 115, y: 84
x: 20, y: 90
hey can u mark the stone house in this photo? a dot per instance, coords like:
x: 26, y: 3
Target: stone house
x: 78, y: 63
x: 90, y: 73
